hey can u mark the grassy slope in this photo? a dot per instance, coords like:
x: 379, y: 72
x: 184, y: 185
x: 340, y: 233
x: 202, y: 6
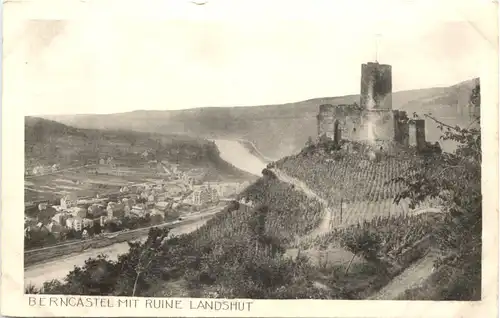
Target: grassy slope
x: 277, y: 130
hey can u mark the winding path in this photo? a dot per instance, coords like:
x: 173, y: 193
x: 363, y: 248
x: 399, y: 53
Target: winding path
x: 298, y: 184
x: 411, y: 277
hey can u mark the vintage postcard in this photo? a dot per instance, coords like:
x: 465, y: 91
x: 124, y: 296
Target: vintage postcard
x: 216, y: 158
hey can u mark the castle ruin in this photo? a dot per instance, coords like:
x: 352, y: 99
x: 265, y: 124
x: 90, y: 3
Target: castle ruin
x: 373, y: 120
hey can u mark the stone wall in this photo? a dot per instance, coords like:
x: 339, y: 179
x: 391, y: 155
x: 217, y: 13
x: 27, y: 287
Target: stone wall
x: 326, y: 120
x: 362, y: 125
x: 401, y: 127
x: 347, y: 116
x: 377, y: 125
x: 420, y: 134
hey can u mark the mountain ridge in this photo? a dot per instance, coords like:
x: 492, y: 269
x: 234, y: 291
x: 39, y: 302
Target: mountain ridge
x: 278, y: 129
x: 48, y: 142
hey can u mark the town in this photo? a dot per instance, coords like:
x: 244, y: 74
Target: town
x: 172, y: 195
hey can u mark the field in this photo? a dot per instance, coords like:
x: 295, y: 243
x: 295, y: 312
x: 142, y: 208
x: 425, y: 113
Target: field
x: 85, y: 182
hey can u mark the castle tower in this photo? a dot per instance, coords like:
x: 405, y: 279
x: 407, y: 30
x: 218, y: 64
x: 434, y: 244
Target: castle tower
x: 326, y: 120
x: 376, y: 86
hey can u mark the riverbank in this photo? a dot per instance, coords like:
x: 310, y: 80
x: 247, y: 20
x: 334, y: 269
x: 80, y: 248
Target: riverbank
x: 41, y: 255
x: 59, y: 267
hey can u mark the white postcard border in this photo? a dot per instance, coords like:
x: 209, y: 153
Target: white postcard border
x: 14, y: 303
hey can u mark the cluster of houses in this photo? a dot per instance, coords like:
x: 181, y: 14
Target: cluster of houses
x: 110, y: 161
x: 155, y: 199
x: 41, y: 169
x: 80, y: 214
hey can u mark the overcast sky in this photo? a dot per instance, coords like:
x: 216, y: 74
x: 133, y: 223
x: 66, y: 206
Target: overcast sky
x: 107, y: 56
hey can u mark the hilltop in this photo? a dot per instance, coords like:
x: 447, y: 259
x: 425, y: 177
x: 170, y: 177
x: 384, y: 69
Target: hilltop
x: 276, y: 130
x: 259, y: 237
x: 284, y: 237
x: 249, y: 250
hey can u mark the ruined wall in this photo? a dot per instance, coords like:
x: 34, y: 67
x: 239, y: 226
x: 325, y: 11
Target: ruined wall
x: 412, y: 135
x: 417, y: 134
x: 376, y: 86
x: 401, y: 127
x: 326, y: 120
x: 377, y: 126
x: 420, y: 134
x: 355, y: 123
x: 348, y: 117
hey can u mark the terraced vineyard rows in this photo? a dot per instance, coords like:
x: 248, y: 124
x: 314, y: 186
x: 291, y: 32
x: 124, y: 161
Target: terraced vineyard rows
x: 355, y: 212
x: 356, y: 189
x: 290, y: 213
x: 348, y: 177
x: 397, y: 234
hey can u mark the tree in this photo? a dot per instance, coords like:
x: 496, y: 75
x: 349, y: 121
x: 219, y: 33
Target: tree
x: 111, y: 227
x: 96, y: 228
x: 454, y: 178
x: 141, y: 257
x: 258, y: 225
x: 361, y: 241
x: 97, y: 277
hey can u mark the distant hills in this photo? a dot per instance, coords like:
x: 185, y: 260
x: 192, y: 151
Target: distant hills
x: 48, y: 142
x: 276, y: 130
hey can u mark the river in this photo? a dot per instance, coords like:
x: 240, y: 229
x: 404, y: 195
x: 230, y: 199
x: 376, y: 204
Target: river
x: 236, y: 154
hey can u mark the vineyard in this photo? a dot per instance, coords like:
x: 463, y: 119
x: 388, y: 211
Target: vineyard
x: 395, y: 235
x: 230, y: 257
x: 356, y: 188
x: 290, y: 213
x: 348, y: 177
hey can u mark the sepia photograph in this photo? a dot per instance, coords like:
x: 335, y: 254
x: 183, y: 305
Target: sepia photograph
x: 281, y: 157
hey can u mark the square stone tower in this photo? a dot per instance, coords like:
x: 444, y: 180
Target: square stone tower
x: 376, y: 86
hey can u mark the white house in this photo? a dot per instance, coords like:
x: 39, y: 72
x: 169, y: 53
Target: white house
x: 60, y: 218
x: 87, y: 223
x: 162, y: 205
x: 78, y: 212
x: 75, y: 223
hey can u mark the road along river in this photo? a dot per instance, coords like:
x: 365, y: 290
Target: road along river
x: 58, y: 268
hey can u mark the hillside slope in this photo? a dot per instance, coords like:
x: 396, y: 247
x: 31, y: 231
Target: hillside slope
x: 48, y: 142
x: 276, y: 130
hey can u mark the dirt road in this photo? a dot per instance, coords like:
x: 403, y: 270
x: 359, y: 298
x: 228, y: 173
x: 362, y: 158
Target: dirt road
x: 412, y: 277
x: 324, y: 226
